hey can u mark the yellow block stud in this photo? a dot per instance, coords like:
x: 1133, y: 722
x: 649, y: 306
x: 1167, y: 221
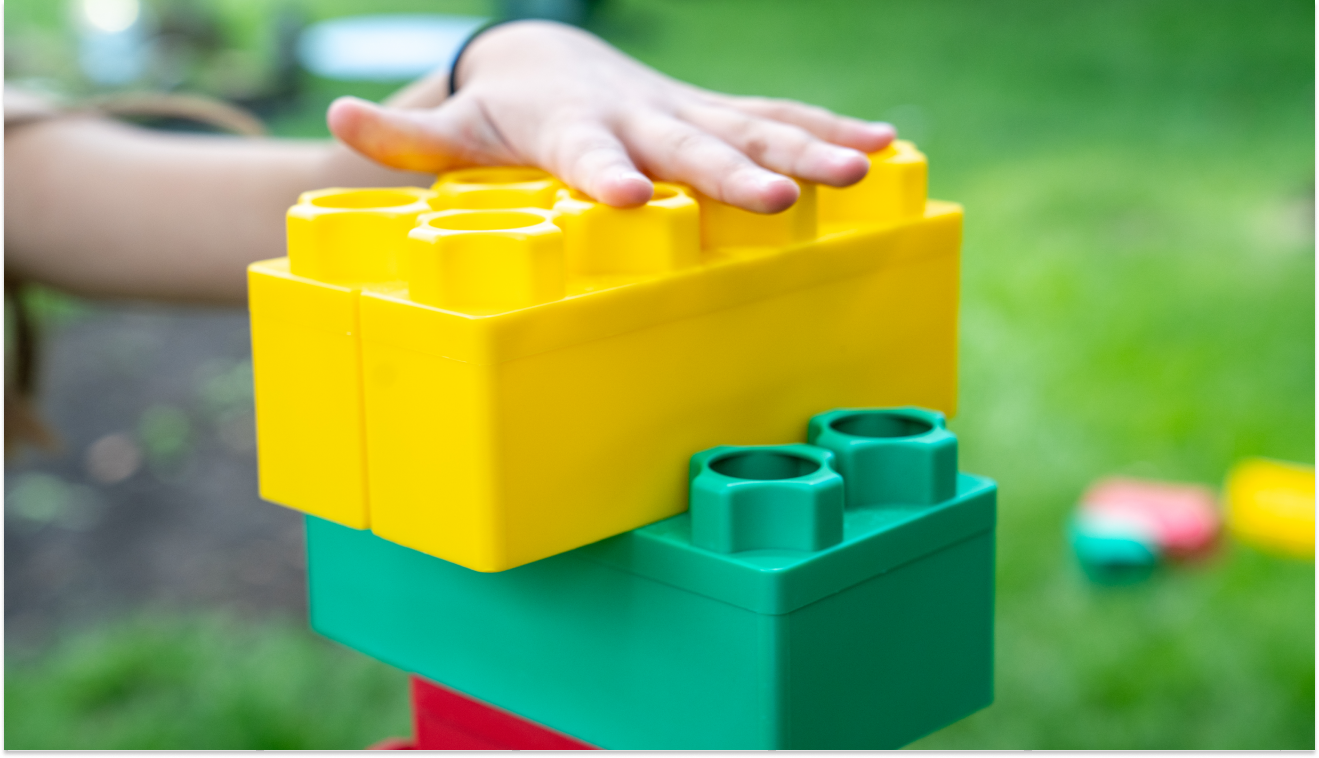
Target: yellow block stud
x: 353, y: 235
x: 495, y: 187
x: 1270, y: 504
x: 725, y: 226
x: 485, y: 261
x: 662, y: 236
x: 306, y: 348
x: 893, y: 190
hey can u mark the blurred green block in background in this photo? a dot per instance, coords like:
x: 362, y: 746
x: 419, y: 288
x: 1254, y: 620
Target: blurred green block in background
x: 1112, y: 556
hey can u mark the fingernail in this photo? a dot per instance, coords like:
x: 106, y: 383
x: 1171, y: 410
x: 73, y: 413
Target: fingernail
x: 768, y: 181
x: 631, y: 187
x: 776, y: 192
x: 844, y: 154
x: 633, y: 176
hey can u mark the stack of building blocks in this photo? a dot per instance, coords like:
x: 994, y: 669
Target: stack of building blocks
x: 1271, y: 506
x: 1124, y: 527
x: 487, y: 395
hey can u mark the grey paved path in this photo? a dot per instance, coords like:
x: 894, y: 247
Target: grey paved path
x: 153, y: 501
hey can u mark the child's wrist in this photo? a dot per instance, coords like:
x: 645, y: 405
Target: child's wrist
x: 462, y: 51
x: 504, y: 44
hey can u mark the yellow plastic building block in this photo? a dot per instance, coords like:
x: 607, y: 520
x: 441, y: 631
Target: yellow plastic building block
x: 541, y: 376
x: 1270, y: 504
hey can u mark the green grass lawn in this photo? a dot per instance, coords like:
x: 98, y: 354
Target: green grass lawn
x: 200, y: 682
x: 1138, y: 298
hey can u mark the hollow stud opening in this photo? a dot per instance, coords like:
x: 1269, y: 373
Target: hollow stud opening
x: 881, y: 426
x: 764, y: 466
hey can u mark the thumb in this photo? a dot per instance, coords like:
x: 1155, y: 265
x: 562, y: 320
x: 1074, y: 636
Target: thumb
x: 432, y: 140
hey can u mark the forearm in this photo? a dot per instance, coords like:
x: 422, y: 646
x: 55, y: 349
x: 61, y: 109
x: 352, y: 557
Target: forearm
x: 100, y: 208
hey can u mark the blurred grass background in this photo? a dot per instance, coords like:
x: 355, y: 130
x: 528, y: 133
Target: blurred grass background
x: 1138, y: 298
x: 200, y: 681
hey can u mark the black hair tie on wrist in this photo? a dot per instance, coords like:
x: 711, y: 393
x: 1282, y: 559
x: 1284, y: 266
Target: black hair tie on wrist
x: 453, y: 67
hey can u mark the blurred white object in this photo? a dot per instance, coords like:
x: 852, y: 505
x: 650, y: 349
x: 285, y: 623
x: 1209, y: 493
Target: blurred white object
x: 113, y: 47
x: 383, y: 48
x: 111, y: 16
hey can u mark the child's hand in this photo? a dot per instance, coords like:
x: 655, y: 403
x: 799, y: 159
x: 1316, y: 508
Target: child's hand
x: 548, y: 95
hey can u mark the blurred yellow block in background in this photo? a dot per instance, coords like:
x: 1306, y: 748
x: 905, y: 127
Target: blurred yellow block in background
x: 1270, y: 504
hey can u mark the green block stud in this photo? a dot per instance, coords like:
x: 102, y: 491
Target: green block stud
x: 889, y: 455
x: 770, y: 496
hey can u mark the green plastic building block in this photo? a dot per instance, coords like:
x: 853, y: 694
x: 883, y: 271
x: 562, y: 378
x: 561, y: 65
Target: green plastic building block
x: 648, y: 640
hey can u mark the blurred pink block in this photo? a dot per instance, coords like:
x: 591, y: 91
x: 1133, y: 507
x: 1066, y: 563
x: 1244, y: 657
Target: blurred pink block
x: 1182, y: 518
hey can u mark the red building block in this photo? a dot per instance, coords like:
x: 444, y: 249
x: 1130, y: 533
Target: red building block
x: 445, y: 719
